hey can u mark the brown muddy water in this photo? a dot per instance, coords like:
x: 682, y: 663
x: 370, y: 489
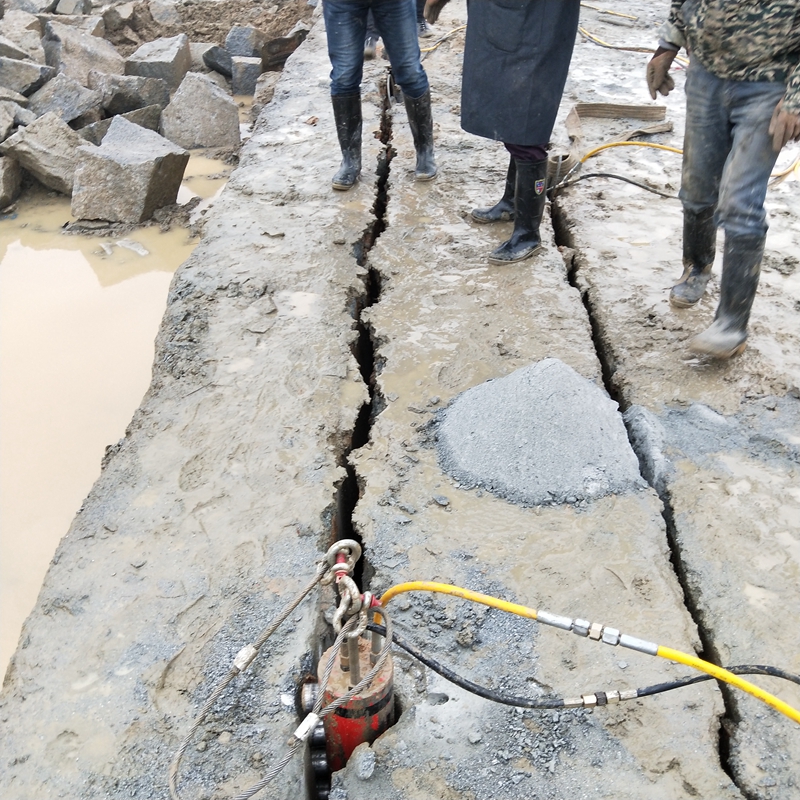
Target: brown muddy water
x: 78, y: 320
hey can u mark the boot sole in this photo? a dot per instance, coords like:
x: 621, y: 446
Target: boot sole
x: 678, y: 302
x: 343, y: 187
x: 501, y: 261
x: 489, y: 220
x: 425, y: 178
x: 722, y: 355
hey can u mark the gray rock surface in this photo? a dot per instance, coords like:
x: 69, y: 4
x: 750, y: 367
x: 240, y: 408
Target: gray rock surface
x: 164, y: 12
x: 25, y: 31
x: 64, y: 96
x: 244, y: 74
x: 31, y: 6
x: 23, y: 77
x: 75, y: 53
x: 169, y: 59
x: 244, y: 40
x: 117, y: 17
x: 48, y: 148
x: 133, y: 172
x: 264, y: 92
x: 10, y: 50
x: 10, y: 95
x: 123, y: 93
x: 10, y: 180
x: 218, y: 59
x: 198, y: 51
x: 6, y: 120
x: 148, y: 117
x: 73, y: 7
x: 541, y: 435
x: 93, y: 25
x: 201, y: 115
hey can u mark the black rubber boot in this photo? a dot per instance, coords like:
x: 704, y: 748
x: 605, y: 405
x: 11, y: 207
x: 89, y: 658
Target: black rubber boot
x: 421, y: 122
x: 530, y: 198
x: 699, y: 248
x: 504, y: 210
x: 347, y: 114
x: 741, y: 268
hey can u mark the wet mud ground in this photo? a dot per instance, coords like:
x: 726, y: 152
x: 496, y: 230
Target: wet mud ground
x: 246, y: 457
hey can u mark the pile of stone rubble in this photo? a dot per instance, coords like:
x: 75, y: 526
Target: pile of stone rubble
x: 114, y: 132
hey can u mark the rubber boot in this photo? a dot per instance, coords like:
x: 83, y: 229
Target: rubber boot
x: 530, y: 197
x: 699, y: 248
x: 504, y: 210
x: 421, y: 122
x: 347, y: 114
x: 741, y: 267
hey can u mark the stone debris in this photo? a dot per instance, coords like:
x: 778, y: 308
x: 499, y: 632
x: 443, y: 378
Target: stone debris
x: 25, y: 31
x: 117, y: 17
x: 11, y: 96
x: 168, y: 59
x: 21, y: 116
x: 10, y: 181
x: 10, y: 50
x: 48, y: 148
x: 244, y: 74
x: 198, y: 51
x: 148, y: 117
x: 201, y: 115
x: 23, y: 77
x: 218, y: 59
x: 6, y: 120
x: 244, y: 40
x: 264, y: 92
x: 31, y: 6
x: 65, y: 97
x: 73, y: 7
x: 541, y: 435
x: 164, y: 12
x: 132, y: 173
x: 123, y: 93
x: 92, y: 25
x: 75, y: 53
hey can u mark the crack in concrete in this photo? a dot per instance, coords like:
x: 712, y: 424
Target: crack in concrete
x: 563, y: 238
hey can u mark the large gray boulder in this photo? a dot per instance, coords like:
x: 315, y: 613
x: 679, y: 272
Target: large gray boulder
x: 12, y: 96
x: 244, y: 40
x: 117, y: 17
x: 11, y: 50
x: 201, y: 115
x: 93, y: 25
x: 133, y: 173
x: 148, y: 117
x: 6, y: 120
x: 10, y: 181
x: 31, y: 6
x: 75, y: 53
x: 169, y: 59
x: 123, y: 93
x: 23, y: 77
x: 65, y: 97
x: 539, y: 436
x: 25, y: 31
x: 47, y: 148
x: 164, y: 12
x: 244, y: 74
x: 73, y: 7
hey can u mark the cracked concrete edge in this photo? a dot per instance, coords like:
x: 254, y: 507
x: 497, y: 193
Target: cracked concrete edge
x: 430, y: 329
x: 211, y: 512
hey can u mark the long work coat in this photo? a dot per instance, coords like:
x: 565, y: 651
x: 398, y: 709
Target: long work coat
x: 516, y: 58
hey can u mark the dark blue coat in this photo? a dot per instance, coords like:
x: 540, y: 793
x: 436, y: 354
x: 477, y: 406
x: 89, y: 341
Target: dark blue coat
x: 516, y: 58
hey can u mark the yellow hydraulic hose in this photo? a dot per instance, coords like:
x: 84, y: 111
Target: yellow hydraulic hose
x: 605, y: 146
x: 598, y: 632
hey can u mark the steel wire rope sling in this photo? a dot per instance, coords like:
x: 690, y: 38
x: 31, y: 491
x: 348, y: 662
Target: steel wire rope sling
x: 597, y: 631
x: 335, y: 566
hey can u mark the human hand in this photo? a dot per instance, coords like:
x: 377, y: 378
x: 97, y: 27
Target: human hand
x: 658, y: 77
x: 783, y: 127
x: 433, y: 8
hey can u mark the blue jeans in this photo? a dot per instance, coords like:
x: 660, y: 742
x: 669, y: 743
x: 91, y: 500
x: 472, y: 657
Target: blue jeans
x: 346, y: 25
x: 727, y: 149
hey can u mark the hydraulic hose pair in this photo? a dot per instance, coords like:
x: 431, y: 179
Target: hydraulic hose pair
x: 741, y: 268
x: 348, y: 118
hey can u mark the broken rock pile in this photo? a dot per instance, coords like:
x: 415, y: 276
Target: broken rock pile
x: 64, y: 89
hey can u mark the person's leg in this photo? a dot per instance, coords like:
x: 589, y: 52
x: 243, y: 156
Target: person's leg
x: 424, y: 31
x: 397, y: 26
x: 707, y: 141
x: 371, y: 38
x: 740, y: 212
x: 530, y: 198
x: 345, y: 25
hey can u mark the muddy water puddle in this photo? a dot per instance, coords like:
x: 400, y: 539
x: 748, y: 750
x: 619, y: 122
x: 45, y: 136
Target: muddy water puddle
x: 78, y: 320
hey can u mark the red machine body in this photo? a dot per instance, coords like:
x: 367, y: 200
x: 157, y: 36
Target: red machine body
x: 362, y: 719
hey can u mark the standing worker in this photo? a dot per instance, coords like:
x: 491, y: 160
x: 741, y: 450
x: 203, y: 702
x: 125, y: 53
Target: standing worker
x: 516, y: 57
x: 346, y: 25
x: 742, y: 107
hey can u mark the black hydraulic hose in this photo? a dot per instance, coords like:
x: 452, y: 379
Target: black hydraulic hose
x: 558, y: 702
x: 641, y: 185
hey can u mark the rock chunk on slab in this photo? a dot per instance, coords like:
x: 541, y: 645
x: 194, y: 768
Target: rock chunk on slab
x: 148, y: 117
x: 75, y: 53
x: 10, y: 181
x: 218, y: 59
x: 541, y: 435
x: 244, y: 74
x: 65, y: 97
x: 133, y: 173
x: 168, y: 59
x: 117, y: 17
x: 164, y: 12
x: 23, y: 77
x: 201, y: 115
x: 244, y: 40
x: 48, y: 148
x: 92, y: 25
x: 123, y: 93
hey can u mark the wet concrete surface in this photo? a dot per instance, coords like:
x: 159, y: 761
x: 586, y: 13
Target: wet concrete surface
x: 209, y: 516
